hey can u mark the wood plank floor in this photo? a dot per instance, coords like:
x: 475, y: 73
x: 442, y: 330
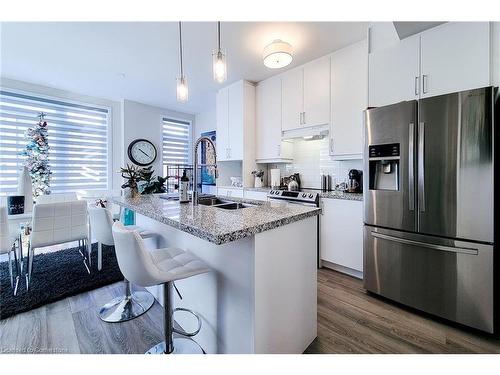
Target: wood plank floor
x: 349, y: 321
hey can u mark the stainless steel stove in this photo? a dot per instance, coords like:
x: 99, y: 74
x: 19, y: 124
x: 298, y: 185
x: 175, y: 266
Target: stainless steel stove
x: 301, y: 197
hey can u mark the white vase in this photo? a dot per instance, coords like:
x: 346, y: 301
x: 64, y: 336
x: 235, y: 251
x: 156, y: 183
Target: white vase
x: 258, y: 182
x: 25, y: 188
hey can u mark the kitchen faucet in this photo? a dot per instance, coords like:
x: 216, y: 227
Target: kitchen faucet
x: 196, y: 165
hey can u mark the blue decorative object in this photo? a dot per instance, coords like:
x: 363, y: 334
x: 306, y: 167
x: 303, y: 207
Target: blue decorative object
x: 128, y: 217
x: 208, y: 157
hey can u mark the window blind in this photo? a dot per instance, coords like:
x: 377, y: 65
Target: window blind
x: 176, y: 141
x: 77, y: 136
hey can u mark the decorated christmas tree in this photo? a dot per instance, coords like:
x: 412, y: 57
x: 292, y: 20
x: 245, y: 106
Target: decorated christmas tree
x: 37, y: 156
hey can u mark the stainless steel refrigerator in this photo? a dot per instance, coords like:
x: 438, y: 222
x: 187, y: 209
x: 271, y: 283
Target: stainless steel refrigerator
x: 429, y: 205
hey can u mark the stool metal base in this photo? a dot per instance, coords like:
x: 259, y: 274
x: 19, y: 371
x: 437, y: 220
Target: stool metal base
x: 182, y: 345
x: 125, y: 308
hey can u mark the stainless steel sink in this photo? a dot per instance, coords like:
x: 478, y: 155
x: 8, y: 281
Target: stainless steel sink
x: 211, y: 201
x: 224, y: 204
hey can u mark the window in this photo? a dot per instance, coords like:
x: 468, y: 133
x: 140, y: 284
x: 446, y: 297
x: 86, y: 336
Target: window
x: 176, y: 143
x: 78, y: 140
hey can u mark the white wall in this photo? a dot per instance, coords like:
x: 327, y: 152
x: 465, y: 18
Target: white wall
x: 145, y: 121
x: 116, y: 135
x: 129, y: 120
x: 206, y: 120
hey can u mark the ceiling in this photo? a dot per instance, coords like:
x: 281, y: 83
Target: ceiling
x: 140, y: 60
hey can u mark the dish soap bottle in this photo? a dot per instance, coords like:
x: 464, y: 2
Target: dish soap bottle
x: 183, y: 188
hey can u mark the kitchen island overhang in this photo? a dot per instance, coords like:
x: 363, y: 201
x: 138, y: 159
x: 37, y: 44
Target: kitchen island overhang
x: 261, y: 296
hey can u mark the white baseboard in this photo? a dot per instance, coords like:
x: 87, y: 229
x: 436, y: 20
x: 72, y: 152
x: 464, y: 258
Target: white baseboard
x: 337, y: 267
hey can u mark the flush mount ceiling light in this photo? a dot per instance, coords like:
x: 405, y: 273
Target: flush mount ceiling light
x: 277, y: 54
x: 219, y: 60
x: 182, y: 87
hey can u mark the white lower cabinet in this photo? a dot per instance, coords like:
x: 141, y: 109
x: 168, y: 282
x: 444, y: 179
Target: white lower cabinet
x: 341, y: 235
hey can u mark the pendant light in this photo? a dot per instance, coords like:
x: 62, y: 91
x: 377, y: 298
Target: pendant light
x: 219, y: 60
x: 182, y: 87
x: 277, y: 54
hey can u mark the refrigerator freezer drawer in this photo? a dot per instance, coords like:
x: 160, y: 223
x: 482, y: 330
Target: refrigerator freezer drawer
x: 448, y: 278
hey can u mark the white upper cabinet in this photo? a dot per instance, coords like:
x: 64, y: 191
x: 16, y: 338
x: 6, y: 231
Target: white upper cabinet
x: 236, y: 109
x: 293, y: 98
x: 306, y: 95
x: 394, y: 73
x: 268, y: 129
x: 349, y: 70
x: 222, y: 114
x: 451, y: 57
x: 455, y: 57
x: 236, y: 127
x: 317, y: 93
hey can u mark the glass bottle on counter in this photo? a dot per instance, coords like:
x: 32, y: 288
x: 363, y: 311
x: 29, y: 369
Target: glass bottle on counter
x: 183, y: 188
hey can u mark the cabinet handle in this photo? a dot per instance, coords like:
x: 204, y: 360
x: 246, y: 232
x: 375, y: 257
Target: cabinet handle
x: 424, y: 83
x: 417, y: 88
x: 331, y: 146
x: 300, y: 118
x: 229, y: 151
x: 279, y: 150
x: 303, y: 118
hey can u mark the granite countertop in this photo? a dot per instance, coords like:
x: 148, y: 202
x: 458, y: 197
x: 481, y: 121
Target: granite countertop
x: 214, y: 224
x: 334, y: 194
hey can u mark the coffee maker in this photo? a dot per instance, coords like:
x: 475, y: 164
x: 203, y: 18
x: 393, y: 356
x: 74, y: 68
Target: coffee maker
x: 355, y: 182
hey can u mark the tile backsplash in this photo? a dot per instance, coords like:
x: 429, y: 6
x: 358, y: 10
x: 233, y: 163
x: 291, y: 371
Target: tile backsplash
x: 311, y: 159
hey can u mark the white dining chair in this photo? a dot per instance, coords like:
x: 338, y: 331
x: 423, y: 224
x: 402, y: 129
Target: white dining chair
x: 56, y: 198
x: 7, y: 246
x: 131, y: 304
x: 58, y: 223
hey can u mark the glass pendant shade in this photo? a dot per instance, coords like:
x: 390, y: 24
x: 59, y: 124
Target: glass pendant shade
x: 182, y: 89
x: 219, y: 65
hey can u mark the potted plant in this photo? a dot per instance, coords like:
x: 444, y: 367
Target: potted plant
x: 133, y: 175
x: 152, y: 184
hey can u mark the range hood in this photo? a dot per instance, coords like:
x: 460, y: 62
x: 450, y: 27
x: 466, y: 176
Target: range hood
x: 406, y: 29
x: 310, y: 133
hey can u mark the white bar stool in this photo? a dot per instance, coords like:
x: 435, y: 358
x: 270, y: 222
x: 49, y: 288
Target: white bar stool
x: 130, y: 305
x: 160, y: 266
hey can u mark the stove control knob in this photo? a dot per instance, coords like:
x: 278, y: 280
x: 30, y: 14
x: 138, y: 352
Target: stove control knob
x: 304, y: 195
x: 310, y: 195
x: 271, y: 192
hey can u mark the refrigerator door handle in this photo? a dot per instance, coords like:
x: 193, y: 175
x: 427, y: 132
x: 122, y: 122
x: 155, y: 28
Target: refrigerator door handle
x: 411, y: 164
x: 451, y: 249
x: 421, y: 167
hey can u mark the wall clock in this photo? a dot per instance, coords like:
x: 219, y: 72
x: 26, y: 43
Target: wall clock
x: 142, y: 152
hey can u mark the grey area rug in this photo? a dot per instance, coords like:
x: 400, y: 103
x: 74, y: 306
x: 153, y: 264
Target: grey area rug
x: 56, y: 276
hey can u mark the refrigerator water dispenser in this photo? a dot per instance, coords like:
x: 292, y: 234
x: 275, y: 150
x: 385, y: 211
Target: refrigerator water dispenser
x: 384, y: 166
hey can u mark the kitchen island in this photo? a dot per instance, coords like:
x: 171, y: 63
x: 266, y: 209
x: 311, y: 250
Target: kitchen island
x: 261, y: 295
